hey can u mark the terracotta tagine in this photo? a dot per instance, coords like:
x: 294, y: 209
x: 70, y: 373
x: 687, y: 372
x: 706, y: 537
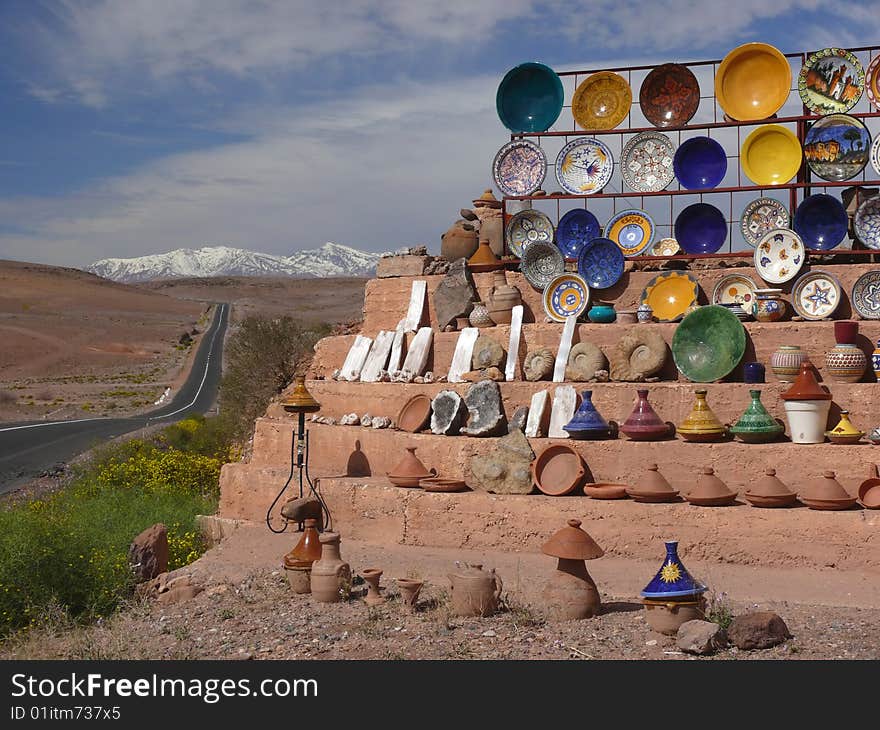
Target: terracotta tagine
x: 845, y: 362
x: 409, y: 592
x: 869, y: 490
x: 298, y: 562
x: 475, y: 592
x: 701, y: 424
x: 374, y: 596
x: 806, y: 407
x: 770, y: 491
x: 588, y: 423
x: 672, y: 597
x: 459, y: 242
x: 504, y: 298
x: 479, y: 316
x: 571, y: 593
x: 331, y: 575
x: 756, y: 425
x: 409, y: 470
x: 844, y: 432
x: 826, y: 493
x: 652, y: 487
x: 643, y: 424
x: 785, y: 363
x: 484, y: 259
x: 710, y: 491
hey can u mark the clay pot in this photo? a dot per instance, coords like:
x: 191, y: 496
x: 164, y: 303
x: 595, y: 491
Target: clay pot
x: 484, y: 259
x: 571, y: 593
x: 372, y: 576
x: 666, y: 617
x: 458, y: 242
x: 331, y: 575
x: 558, y: 470
x: 769, y: 491
x: 769, y: 306
x: 710, y: 491
x: 701, y: 424
x: 806, y: 407
x: 652, y: 487
x: 504, y: 298
x: 308, y: 549
x: 786, y: 362
x: 475, y: 592
x: 643, y: 424
x: 869, y: 490
x: 409, y: 591
x: 479, y: 316
x: 410, y: 470
x: 627, y: 316
x: 845, y: 362
x: 299, y: 578
x: 826, y: 493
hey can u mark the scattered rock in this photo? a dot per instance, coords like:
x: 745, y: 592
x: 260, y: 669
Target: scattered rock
x: 758, y: 630
x: 485, y: 409
x: 701, y: 637
x: 506, y: 469
x: 448, y: 413
x: 518, y: 420
x: 487, y: 354
x: 429, y: 377
x: 350, y: 419
x: 381, y: 422
x: 148, y: 553
x: 455, y: 295
x: 366, y: 420
x: 419, y: 379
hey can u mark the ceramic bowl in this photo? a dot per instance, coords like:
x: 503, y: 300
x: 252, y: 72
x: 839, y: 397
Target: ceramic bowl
x: 817, y: 81
x: 665, y: 247
x: 525, y: 228
x: 760, y: 217
x: 519, y: 167
x: 541, y: 263
x: 415, y: 414
x: 821, y: 221
x: 701, y: 228
x: 708, y: 344
x: 575, y: 230
x: 866, y: 221
x: 646, y: 162
x: 865, y: 295
x: 734, y: 289
x: 771, y: 155
x: 779, y: 256
x: 441, y: 484
x: 601, y: 101
x: 700, y: 163
x: 669, y: 95
x: 816, y: 295
x: 670, y: 295
x: 566, y: 296
x: 632, y: 230
x: 602, y: 490
x: 558, y: 470
x: 584, y: 166
x: 869, y: 493
x: 753, y: 82
x: 601, y: 263
x: 529, y: 98
x: 837, y: 147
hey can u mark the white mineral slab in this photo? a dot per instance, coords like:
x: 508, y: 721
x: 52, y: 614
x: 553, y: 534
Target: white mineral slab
x: 419, y: 349
x: 537, y: 408
x: 397, y: 347
x: 416, y: 305
x: 357, y: 355
x: 516, y: 316
x: 378, y: 357
x: 564, y: 349
x: 464, y: 352
x: 564, y: 404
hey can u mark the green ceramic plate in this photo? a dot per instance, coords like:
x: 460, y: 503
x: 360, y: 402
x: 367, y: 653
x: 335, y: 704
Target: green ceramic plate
x: 708, y: 344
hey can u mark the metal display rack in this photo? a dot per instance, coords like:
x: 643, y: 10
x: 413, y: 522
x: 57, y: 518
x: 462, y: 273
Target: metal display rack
x: 800, y: 187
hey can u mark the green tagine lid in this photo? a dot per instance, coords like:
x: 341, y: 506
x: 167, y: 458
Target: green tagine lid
x: 756, y: 425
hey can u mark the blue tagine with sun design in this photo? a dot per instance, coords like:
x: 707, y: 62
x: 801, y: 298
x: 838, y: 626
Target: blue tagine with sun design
x: 672, y: 580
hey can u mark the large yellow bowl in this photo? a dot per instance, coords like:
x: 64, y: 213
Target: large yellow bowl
x: 753, y: 82
x: 670, y: 295
x: 771, y: 155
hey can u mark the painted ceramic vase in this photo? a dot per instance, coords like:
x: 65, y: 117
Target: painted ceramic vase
x: 844, y: 432
x: 588, y: 423
x: 769, y: 306
x: 644, y: 313
x: 875, y: 360
x: 786, y: 362
x: 673, y: 581
x: 571, y: 593
x: 601, y: 313
x: 331, y: 575
x: 479, y: 316
x: 701, y: 424
x: 504, y: 298
x: 756, y: 425
x: 754, y: 372
x: 806, y: 407
x: 643, y: 424
x: 845, y: 362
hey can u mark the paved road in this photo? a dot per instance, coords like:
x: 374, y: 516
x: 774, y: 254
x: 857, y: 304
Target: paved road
x: 26, y: 449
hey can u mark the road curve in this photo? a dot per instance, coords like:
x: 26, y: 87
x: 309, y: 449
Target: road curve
x: 26, y: 449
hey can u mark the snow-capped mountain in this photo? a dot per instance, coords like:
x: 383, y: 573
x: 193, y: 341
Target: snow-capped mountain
x: 331, y: 259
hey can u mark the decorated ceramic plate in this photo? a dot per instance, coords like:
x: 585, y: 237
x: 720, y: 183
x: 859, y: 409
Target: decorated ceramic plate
x: 779, y: 256
x: 815, y: 295
x: 541, y: 263
x: 527, y: 226
x: 872, y: 83
x: 584, y: 166
x: 753, y: 82
x: 601, y: 263
x: 601, y: 101
x: 875, y: 153
x: 670, y: 295
x: 866, y: 222
x: 837, y: 147
x: 646, y: 162
x: 771, y: 155
x: 708, y: 344
x: 665, y: 247
x: 700, y: 162
x: 700, y: 228
x: 529, y: 98
x: 831, y: 81
x: 519, y: 167
x: 575, y: 230
x: 669, y: 95
x: 761, y: 216
x: 734, y: 289
x: 632, y: 230
x: 821, y: 221
x: 865, y: 296
x: 566, y: 296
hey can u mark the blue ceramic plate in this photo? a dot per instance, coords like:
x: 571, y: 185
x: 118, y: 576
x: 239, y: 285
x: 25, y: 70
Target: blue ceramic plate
x: 529, y: 98
x: 699, y: 163
x: 575, y: 230
x: 601, y: 263
x: 821, y: 221
x: 701, y: 228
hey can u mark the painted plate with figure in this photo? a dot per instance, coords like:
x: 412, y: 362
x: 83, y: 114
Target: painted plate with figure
x: 734, y: 289
x: 760, y: 217
x: 837, y: 147
x: 831, y: 81
x: 601, y: 263
x: 632, y: 230
x: 566, y: 296
x: 527, y: 226
x: 865, y: 296
x: 575, y: 230
x: 646, y: 162
x: 584, y: 166
x: 519, y: 167
x: 866, y: 222
x: 815, y: 295
x: 779, y: 256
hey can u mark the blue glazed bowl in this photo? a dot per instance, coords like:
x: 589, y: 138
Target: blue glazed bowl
x: 821, y: 221
x: 529, y: 98
x: 700, y: 228
x: 602, y: 314
x: 601, y: 263
x: 700, y: 162
x: 575, y: 230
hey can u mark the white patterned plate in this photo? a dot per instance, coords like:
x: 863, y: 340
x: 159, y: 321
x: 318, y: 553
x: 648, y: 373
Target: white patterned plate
x: 815, y: 295
x: 866, y: 222
x: 734, y: 289
x: 646, y: 162
x: 527, y: 226
x: 760, y: 216
x: 584, y: 166
x: 779, y: 256
x: 865, y: 296
x: 875, y: 153
x: 519, y: 167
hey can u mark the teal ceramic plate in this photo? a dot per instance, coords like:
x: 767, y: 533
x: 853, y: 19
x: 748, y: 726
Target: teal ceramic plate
x: 529, y: 98
x: 708, y: 344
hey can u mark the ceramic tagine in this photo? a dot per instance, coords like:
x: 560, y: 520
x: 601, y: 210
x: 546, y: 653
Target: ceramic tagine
x: 644, y: 424
x: 806, y: 407
x: 845, y: 362
x: 571, y: 593
x: 844, y: 432
x: 769, y: 306
x: 587, y: 422
x: 504, y: 298
x: 756, y: 425
x: 769, y: 491
x: 710, y: 491
x: 673, y: 596
x: 653, y: 487
x: 702, y: 424
x: 484, y: 259
x: 298, y: 562
x: 786, y: 362
x: 331, y: 575
x: 826, y: 493
x: 409, y: 470
x: 475, y: 592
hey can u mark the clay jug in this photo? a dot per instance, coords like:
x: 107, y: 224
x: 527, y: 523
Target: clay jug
x: 308, y: 549
x: 459, y: 242
x: 643, y: 423
x: 503, y: 299
x: 475, y: 592
x: 331, y: 575
x: 571, y: 592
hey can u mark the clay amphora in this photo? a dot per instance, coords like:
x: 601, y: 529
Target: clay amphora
x: 504, y: 298
x: 372, y: 577
x: 458, y: 242
x: 643, y: 423
x: 475, y: 592
x: 701, y: 424
x: 571, y: 593
x: 331, y: 575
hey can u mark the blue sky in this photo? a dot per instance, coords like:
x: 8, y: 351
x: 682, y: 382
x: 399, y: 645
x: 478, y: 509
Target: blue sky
x: 138, y: 126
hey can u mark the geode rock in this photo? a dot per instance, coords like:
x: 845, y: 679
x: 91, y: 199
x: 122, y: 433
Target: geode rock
x: 485, y: 410
x: 455, y: 295
x: 448, y: 412
x: 487, y: 354
x: 506, y: 469
x: 518, y: 420
x: 350, y: 419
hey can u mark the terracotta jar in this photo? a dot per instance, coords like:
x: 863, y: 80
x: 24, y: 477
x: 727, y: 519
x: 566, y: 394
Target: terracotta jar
x: 475, y: 592
x: 666, y: 617
x: 479, y: 316
x: 710, y: 491
x: 331, y: 575
x: 786, y: 362
x: 769, y: 491
x: 806, y: 407
x: 826, y: 493
x: 459, y: 242
x: 701, y: 423
x: 504, y: 298
x: 571, y: 593
x: 298, y: 562
x: 643, y: 424
x: 845, y: 362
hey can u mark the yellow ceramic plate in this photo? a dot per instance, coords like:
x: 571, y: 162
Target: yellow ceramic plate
x: 771, y: 155
x: 601, y: 101
x: 666, y: 247
x: 670, y: 295
x: 753, y: 82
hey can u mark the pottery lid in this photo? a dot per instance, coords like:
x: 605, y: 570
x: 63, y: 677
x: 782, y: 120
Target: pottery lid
x: 825, y: 487
x: 653, y: 482
x: 805, y: 386
x: 487, y: 200
x: 769, y: 486
x: 572, y: 543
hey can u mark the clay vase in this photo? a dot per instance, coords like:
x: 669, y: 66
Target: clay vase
x: 652, y: 487
x: 845, y: 362
x: 504, y: 298
x: 588, y: 423
x: 826, y: 493
x: 701, y: 424
x: 571, y: 593
x: 409, y: 592
x: 484, y: 259
x: 643, y: 424
x: 710, y: 491
x: 372, y: 576
x: 875, y: 360
x: 458, y: 242
x: 786, y: 362
x: 479, y: 316
x: 769, y: 306
x: 298, y: 562
x: 756, y: 425
x: 769, y: 491
x: 644, y: 313
x: 475, y: 592
x: 806, y: 407
x: 331, y: 575
x: 410, y: 470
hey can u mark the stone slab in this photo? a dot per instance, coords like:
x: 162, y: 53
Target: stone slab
x: 516, y: 317
x: 391, y: 266
x: 537, y: 414
x: 464, y: 350
x: 377, y: 360
x: 564, y: 349
x: 354, y: 361
x: 416, y: 305
x: 418, y: 352
x: 564, y: 405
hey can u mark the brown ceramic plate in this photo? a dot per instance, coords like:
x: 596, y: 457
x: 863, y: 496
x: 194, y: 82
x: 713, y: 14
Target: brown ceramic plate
x: 653, y: 496
x: 414, y: 415
x: 669, y: 95
x: 762, y: 500
x: 558, y: 470
x: 829, y: 504
x: 439, y: 484
x: 601, y: 490
x: 869, y: 493
x: 721, y: 501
